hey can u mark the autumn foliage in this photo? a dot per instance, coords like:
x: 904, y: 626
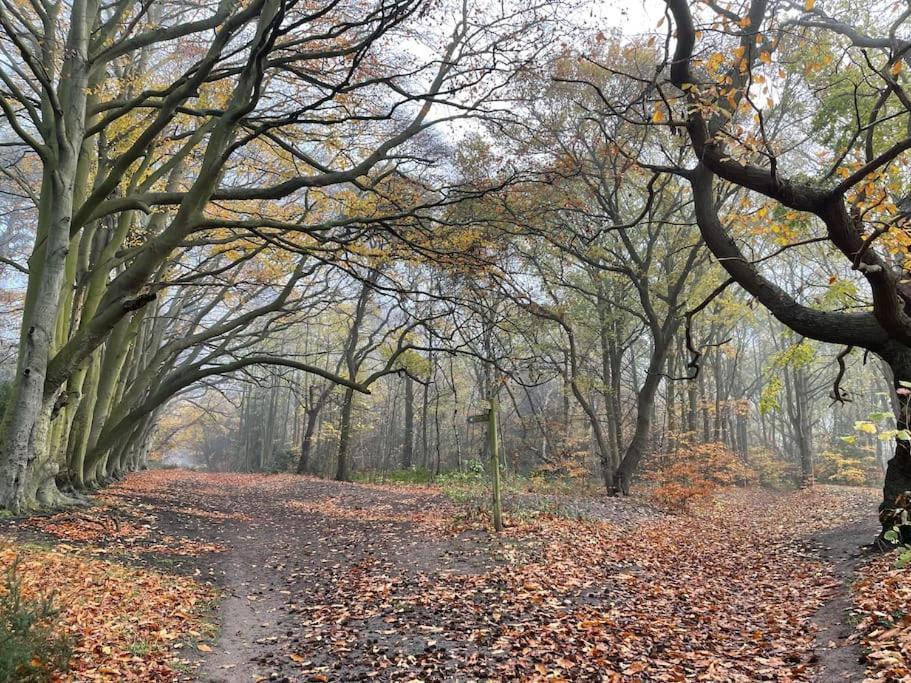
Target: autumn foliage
x: 124, y: 619
x: 392, y: 583
x: 883, y: 600
x: 123, y: 622
x: 694, y: 472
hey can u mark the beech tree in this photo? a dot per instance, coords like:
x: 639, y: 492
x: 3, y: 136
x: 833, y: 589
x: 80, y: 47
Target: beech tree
x: 151, y: 125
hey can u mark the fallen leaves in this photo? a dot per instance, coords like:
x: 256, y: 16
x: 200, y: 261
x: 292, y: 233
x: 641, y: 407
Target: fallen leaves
x: 357, y: 582
x: 882, y: 596
x: 88, y: 528
x: 126, y: 623
x: 108, y: 537
x: 401, y: 512
x: 121, y: 526
x: 727, y: 595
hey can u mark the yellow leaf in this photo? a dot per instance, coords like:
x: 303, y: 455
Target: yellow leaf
x: 808, y: 5
x: 713, y: 62
x: 865, y: 426
x: 202, y: 647
x: 896, y: 68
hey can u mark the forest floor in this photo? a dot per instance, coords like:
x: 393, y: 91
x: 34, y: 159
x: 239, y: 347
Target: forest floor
x: 310, y: 580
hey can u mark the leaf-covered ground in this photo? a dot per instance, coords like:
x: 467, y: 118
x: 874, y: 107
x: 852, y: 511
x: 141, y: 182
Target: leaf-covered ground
x: 883, y: 598
x: 323, y: 581
x: 125, y: 623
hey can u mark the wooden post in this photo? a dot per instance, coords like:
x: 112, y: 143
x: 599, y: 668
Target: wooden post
x: 494, y: 437
x: 493, y: 442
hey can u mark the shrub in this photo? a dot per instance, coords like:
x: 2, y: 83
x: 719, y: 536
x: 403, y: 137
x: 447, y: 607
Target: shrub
x: 464, y: 486
x: 474, y: 466
x: 773, y: 472
x: 284, y: 461
x: 30, y: 650
x: 897, y: 521
x: 414, y: 475
x: 904, y: 549
x: 410, y: 476
x: 837, y: 468
x: 564, y: 470
x: 694, y: 472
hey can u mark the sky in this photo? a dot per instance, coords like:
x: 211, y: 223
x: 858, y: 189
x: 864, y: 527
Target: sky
x: 630, y: 17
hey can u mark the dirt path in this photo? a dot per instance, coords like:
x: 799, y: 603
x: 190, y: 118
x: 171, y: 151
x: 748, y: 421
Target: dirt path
x: 315, y: 538
x: 840, y: 657
x: 309, y: 537
x: 323, y: 581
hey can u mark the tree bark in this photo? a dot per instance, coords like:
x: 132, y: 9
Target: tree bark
x: 898, y: 469
x: 645, y: 404
x: 344, y: 438
x: 408, y: 441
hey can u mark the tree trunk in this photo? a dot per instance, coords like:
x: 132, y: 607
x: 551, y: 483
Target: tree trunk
x: 408, y: 441
x: 804, y: 435
x: 610, y: 379
x: 706, y: 435
x: 344, y: 438
x: 616, y: 365
x: 425, y: 443
x: 898, y: 469
x: 607, y: 470
x: 80, y: 429
x: 436, y: 431
x: 670, y: 445
x: 25, y: 467
x: 115, y: 354
x: 645, y: 404
x: 743, y: 445
x: 27, y: 470
x: 313, y: 410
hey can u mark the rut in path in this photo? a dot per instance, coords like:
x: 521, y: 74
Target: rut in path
x: 839, y: 657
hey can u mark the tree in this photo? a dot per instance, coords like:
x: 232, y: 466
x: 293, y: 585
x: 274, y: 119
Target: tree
x: 610, y: 223
x: 155, y: 129
x: 854, y: 200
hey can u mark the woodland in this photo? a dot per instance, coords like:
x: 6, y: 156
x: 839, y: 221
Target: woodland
x: 444, y: 340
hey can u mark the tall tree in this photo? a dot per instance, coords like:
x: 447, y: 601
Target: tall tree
x: 722, y: 102
x: 159, y: 126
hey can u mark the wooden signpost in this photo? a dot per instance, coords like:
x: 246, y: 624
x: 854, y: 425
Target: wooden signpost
x: 493, y: 437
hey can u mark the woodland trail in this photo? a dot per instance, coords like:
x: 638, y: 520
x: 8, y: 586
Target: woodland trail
x: 281, y: 574
x: 266, y: 599
x: 844, y: 549
x: 322, y: 581
x: 329, y: 581
x: 284, y: 576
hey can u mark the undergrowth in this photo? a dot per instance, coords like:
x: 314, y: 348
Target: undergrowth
x: 30, y: 650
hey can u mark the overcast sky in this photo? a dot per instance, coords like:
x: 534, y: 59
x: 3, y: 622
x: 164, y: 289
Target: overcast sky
x: 630, y: 16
